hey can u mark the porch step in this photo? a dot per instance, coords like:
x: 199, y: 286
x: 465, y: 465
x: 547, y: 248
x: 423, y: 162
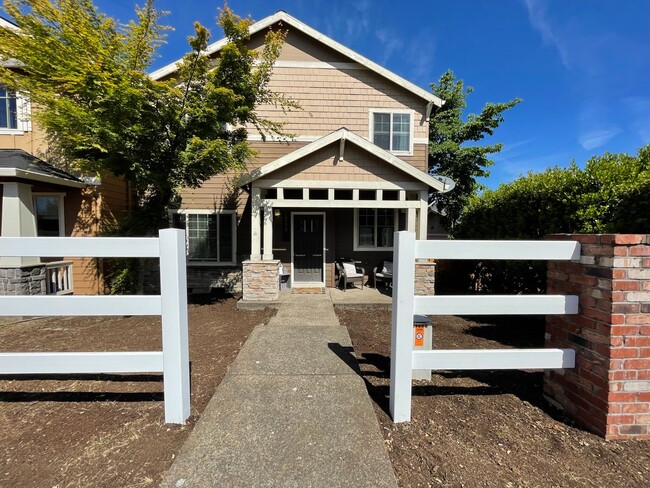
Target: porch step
x: 315, y: 290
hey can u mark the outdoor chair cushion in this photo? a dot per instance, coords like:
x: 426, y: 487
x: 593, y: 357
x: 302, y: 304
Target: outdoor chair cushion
x: 350, y: 269
x: 387, y: 269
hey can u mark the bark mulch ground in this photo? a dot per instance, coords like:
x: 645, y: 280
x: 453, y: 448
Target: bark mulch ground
x: 486, y: 428
x: 107, y: 430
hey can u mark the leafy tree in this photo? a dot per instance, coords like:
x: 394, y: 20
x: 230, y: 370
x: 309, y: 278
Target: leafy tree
x: 449, y: 155
x: 101, y: 111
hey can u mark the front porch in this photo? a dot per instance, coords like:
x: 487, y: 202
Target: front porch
x: 339, y: 198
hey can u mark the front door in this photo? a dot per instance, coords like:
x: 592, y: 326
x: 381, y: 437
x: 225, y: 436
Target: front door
x: 308, y: 244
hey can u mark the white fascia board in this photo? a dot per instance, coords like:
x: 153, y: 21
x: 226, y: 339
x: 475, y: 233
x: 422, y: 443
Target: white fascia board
x: 29, y: 175
x: 355, y: 139
x: 329, y: 42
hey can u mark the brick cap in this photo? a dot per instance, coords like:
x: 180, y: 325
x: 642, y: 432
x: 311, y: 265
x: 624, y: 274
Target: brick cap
x: 261, y: 261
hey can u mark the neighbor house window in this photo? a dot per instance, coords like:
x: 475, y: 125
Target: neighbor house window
x: 210, y: 236
x: 8, y: 109
x: 374, y: 228
x: 49, y: 215
x: 391, y: 131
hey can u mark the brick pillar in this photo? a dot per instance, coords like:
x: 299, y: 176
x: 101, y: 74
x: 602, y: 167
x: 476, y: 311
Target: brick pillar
x: 608, y: 392
x: 425, y: 278
x: 261, y: 280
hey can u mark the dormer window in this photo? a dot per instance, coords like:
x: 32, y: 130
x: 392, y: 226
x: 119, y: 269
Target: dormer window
x: 8, y: 109
x: 392, y: 130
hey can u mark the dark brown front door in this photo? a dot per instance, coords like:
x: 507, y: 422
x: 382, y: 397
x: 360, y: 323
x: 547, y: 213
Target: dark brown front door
x: 308, y: 235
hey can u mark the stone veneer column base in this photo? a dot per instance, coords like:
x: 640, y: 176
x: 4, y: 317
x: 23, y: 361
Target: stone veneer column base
x: 425, y: 278
x: 261, y: 280
x: 24, y: 280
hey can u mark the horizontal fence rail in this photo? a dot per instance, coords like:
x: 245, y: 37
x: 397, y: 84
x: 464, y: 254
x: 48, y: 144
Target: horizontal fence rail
x: 58, y: 306
x: 496, y: 305
x: 171, y: 305
x: 507, y: 250
x: 472, y: 359
x: 81, y: 362
x: 96, y: 247
x: 405, y: 305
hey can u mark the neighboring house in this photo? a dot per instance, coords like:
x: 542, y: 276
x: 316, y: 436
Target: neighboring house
x: 37, y: 199
x: 355, y: 172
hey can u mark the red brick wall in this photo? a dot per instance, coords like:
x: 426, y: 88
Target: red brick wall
x: 609, y: 390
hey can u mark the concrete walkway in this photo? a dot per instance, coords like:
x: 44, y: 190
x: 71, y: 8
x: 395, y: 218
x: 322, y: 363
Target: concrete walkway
x: 291, y: 412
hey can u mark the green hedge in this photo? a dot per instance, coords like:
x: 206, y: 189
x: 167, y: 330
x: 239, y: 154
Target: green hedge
x: 611, y: 195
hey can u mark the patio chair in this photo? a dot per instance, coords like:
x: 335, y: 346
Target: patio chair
x: 384, y: 274
x: 349, y: 273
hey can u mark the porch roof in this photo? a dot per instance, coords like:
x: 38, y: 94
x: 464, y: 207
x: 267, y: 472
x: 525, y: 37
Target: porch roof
x: 342, y: 135
x: 16, y: 163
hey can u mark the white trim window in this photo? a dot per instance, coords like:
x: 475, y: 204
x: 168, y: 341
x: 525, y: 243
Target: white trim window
x: 49, y: 214
x: 8, y: 110
x: 392, y: 130
x: 211, y: 237
x: 374, y: 228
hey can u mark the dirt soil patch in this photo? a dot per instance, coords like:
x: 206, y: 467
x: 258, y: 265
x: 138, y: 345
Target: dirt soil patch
x: 107, y: 430
x: 486, y: 428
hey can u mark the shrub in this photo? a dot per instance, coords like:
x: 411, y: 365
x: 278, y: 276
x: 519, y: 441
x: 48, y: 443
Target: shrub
x: 611, y: 195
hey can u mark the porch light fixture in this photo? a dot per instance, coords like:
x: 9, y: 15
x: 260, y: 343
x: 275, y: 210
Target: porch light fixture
x: 276, y: 212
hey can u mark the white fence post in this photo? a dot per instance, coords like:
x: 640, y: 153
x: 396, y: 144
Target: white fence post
x: 401, y: 364
x: 173, y: 295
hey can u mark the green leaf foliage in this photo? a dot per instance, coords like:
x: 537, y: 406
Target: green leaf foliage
x: 610, y: 195
x: 86, y: 74
x: 450, y: 150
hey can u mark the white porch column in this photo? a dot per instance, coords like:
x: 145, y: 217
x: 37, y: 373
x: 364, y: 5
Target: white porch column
x: 410, y: 219
x: 18, y: 219
x: 424, y: 216
x: 256, y: 210
x: 268, y: 232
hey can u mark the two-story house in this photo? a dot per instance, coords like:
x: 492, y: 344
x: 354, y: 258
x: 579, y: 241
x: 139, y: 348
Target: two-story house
x: 355, y: 172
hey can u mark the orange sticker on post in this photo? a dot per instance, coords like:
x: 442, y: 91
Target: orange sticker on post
x: 419, y: 336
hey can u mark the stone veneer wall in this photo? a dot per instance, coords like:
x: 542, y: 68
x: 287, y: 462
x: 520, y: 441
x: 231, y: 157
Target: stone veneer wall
x: 609, y: 389
x: 425, y: 278
x: 261, y: 280
x: 200, y: 279
x: 27, y: 280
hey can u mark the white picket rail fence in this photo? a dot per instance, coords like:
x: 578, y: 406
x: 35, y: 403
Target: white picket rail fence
x: 171, y: 305
x: 405, y: 304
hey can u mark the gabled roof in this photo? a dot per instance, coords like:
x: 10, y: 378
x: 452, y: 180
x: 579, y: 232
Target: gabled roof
x: 285, y: 18
x: 332, y: 137
x: 17, y: 163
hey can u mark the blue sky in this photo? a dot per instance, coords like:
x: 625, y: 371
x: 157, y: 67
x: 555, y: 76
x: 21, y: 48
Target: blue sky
x: 582, y: 67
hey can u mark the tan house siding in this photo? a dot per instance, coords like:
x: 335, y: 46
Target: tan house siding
x: 34, y: 142
x: 324, y: 164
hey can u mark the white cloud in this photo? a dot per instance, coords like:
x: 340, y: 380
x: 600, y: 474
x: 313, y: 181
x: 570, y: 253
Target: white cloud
x: 539, y: 20
x: 390, y: 42
x: 598, y: 137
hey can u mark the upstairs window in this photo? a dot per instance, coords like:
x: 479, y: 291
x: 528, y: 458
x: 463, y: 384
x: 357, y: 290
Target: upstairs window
x: 391, y: 130
x: 210, y: 236
x: 8, y: 109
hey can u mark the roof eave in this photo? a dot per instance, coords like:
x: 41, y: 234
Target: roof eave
x: 328, y: 41
x: 33, y: 176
